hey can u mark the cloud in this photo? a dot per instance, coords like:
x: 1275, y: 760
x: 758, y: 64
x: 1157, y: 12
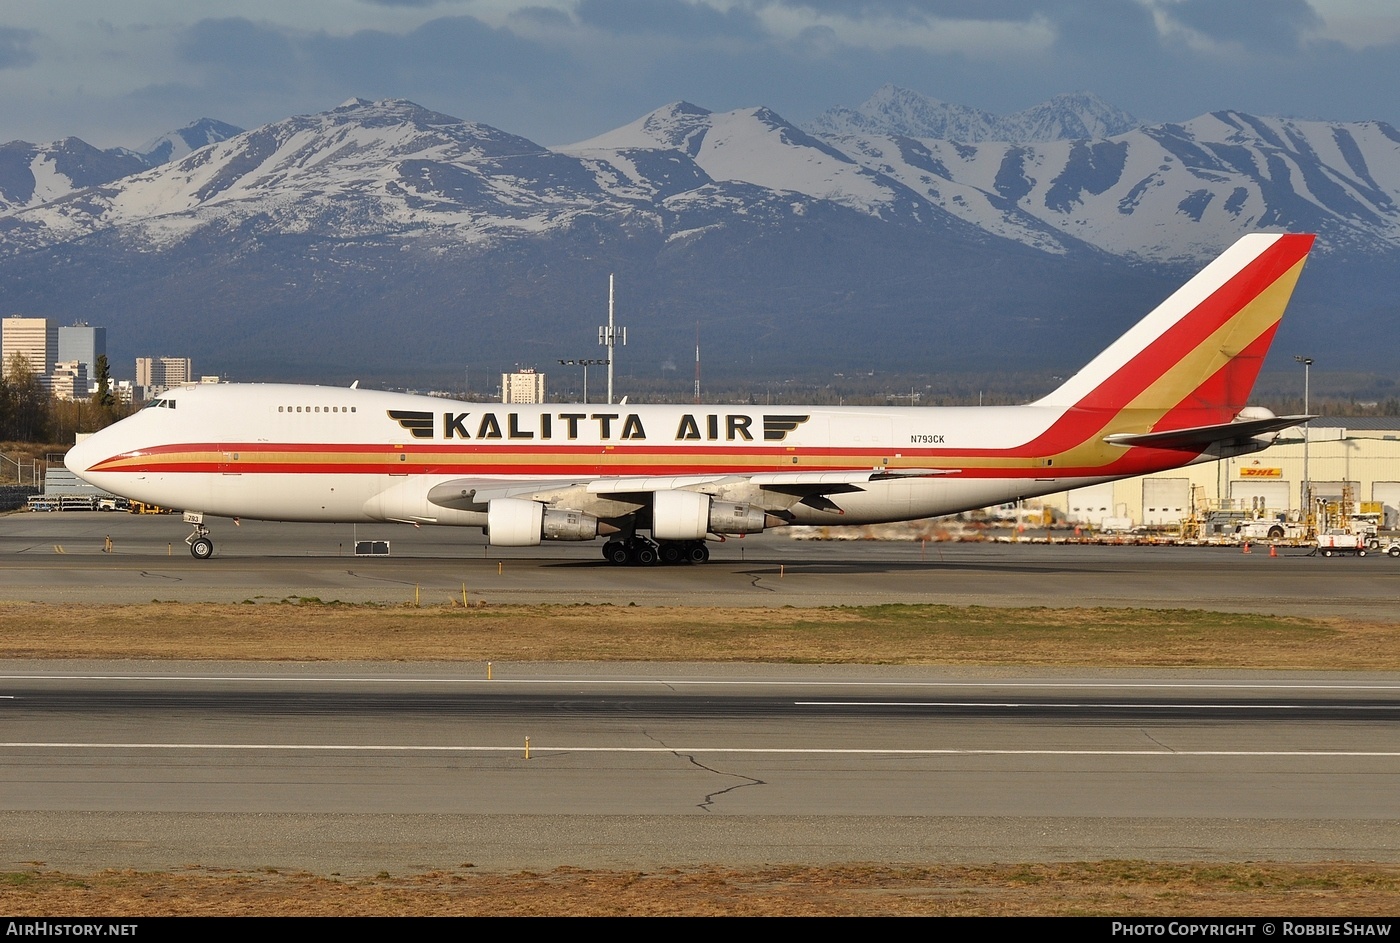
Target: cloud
x: 409, y: 3
x: 678, y: 18
x: 542, y: 16
x: 1111, y: 30
x: 919, y: 11
x: 237, y: 45
x: 15, y: 51
x: 1263, y: 25
x: 252, y: 73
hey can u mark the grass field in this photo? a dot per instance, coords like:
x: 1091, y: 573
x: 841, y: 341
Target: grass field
x: 311, y: 630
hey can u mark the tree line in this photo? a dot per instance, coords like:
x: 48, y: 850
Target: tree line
x: 28, y: 413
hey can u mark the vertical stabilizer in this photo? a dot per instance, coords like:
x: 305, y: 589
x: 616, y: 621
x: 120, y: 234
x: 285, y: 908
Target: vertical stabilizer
x: 1194, y: 359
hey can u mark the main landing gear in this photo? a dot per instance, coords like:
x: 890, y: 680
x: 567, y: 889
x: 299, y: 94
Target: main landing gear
x: 642, y: 551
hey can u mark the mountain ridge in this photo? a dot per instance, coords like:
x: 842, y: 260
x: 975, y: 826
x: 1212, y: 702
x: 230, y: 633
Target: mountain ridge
x: 391, y: 231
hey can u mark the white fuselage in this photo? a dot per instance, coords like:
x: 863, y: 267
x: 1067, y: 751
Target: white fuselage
x: 304, y: 453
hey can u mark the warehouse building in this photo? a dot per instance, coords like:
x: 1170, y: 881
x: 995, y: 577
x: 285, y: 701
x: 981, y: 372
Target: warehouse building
x: 1359, y: 456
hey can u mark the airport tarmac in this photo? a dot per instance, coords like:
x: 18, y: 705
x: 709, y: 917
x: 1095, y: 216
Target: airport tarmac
x: 355, y: 769
x: 58, y: 557
x: 362, y: 768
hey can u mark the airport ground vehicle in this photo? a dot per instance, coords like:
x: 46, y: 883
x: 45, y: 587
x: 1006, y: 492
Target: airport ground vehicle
x: 1339, y: 542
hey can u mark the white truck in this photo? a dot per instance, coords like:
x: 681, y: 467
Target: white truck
x: 1266, y: 529
x: 1337, y: 542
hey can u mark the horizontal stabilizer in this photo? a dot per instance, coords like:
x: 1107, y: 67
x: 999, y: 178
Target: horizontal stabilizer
x: 1200, y: 437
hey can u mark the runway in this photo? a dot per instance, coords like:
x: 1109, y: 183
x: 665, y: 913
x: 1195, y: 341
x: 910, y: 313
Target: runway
x: 358, y: 768
x: 361, y: 768
x: 59, y: 557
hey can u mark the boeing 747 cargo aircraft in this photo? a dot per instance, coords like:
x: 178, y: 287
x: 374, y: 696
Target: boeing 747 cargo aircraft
x: 658, y: 482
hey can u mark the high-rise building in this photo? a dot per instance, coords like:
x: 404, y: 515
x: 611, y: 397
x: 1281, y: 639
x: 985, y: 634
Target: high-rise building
x: 524, y: 386
x: 35, y: 339
x: 69, y: 380
x: 83, y: 343
x: 158, y: 374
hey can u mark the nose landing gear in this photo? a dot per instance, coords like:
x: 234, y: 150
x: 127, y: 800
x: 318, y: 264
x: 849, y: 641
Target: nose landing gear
x: 201, y: 547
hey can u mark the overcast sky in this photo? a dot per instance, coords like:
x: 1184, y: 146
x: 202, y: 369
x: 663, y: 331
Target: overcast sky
x: 119, y: 72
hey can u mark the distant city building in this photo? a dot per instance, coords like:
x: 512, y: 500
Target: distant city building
x: 525, y: 386
x: 69, y: 380
x: 125, y: 391
x: 82, y: 343
x: 158, y: 374
x: 35, y: 339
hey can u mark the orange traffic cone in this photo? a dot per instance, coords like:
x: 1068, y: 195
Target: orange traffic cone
x: 1273, y: 550
x: 1246, y: 548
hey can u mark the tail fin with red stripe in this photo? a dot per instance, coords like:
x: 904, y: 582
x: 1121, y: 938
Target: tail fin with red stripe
x: 1193, y: 361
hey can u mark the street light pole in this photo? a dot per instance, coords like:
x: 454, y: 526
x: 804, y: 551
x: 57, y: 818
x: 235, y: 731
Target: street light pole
x: 1306, y: 498
x: 585, y: 364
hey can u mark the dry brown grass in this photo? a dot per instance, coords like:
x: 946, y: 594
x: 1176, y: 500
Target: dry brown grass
x: 1112, y: 888
x: 309, y: 630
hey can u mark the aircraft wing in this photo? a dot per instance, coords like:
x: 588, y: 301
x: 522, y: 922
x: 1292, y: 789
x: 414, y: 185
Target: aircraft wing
x: 471, y: 494
x: 1197, y: 438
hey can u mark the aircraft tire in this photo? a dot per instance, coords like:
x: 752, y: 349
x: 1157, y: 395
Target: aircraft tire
x: 201, y: 548
x: 645, y: 556
x: 615, y: 552
x: 698, y: 552
x: 672, y: 553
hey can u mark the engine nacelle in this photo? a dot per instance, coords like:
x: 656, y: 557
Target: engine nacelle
x: 727, y: 517
x: 690, y: 515
x: 680, y: 515
x: 569, y: 525
x: 517, y: 522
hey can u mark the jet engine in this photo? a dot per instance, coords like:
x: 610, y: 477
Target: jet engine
x: 516, y: 522
x: 690, y: 515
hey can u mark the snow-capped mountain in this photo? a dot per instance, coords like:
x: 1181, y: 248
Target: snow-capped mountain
x: 280, y: 247
x: 393, y: 169
x: 752, y: 146
x: 899, y: 112
x: 360, y: 169
x: 35, y: 174
x: 1166, y: 192
x: 191, y: 137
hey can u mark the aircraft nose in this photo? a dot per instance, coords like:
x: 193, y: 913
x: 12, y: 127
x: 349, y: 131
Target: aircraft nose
x: 84, y: 455
x: 79, y: 457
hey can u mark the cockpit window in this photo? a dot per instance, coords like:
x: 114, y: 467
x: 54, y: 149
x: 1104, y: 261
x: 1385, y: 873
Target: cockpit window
x: 160, y: 404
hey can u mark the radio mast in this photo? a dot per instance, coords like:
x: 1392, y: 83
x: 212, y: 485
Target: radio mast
x: 608, y: 337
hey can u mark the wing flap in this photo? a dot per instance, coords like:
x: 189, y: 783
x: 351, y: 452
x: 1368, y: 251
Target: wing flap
x: 474, y: 494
